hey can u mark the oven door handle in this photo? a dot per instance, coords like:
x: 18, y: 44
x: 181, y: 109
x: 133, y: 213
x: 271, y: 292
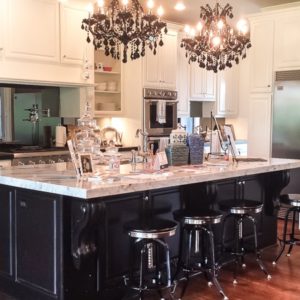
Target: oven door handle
x: 156, y: 100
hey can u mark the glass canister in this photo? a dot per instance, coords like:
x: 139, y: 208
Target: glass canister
x: 88, y: 140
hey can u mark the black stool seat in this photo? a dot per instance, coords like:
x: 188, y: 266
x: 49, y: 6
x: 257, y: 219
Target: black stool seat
x: 151, y: 228
x: 291, y: 199
x: 241, y: 207
x: 289, y: 238
x: 198, y: 218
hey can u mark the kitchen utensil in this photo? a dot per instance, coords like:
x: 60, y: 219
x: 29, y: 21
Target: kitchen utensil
x: 60, y: 136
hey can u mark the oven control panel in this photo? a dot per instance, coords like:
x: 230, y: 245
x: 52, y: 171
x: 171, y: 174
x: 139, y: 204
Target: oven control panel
x: 159, y: 94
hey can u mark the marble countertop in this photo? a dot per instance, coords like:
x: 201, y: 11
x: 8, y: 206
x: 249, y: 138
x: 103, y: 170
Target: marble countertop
x: 60, y: 178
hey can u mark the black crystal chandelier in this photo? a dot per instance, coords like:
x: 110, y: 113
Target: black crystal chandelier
x: 214, y: 44
x: 122, y: 27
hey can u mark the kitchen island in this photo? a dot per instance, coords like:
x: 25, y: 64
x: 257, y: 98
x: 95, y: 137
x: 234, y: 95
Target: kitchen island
x: 63, y: 237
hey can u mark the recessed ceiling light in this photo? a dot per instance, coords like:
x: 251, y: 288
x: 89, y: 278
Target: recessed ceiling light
x: 179, y: 6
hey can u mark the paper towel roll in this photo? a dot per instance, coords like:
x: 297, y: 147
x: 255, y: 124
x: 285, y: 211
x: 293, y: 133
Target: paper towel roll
x: 60, y: 136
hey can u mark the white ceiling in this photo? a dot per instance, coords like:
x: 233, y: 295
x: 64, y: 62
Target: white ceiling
x: 191, y: 14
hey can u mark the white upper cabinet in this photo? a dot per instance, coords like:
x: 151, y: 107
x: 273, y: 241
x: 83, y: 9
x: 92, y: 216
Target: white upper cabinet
x: 202, y: 84
x: 160, y: 69
x: 74, y: 48
x: 227, y: 92
x: 261, y: 55
x: 43, y: 43
x: 33, y: 29
x: 183, y: 69
x: 259, y: 129
x: 287, y: 41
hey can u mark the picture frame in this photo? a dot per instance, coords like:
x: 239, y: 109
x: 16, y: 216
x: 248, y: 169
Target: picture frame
x: 85, y: 164
x: 231, y: 140
x: 74, y: 157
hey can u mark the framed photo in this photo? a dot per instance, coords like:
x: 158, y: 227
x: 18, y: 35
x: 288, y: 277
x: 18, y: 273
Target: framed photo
x: 85, y: 162
x: 231, y: 140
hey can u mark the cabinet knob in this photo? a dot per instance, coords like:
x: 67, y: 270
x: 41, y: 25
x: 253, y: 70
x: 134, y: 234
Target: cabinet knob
x: 146, y: 198
x: 23, y: 204
x: 269, y: 85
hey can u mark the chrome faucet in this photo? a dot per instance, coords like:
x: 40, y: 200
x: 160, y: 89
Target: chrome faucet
x: 144, y: 153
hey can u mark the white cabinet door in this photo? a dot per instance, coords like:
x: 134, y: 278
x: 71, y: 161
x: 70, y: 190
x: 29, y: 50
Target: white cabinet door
x: 33, y: 29
x: 168, y: 60
x: 197, y: 82
x: 210, y: 85
x: 160, y: 69
x: 202, y: 84
x: 261, y: 55
x: 287, y: 41
x: 227, y: 92
x: 259, y: 125
x: 74, y: 47
x: 183, y: 70
x: 151, y: 69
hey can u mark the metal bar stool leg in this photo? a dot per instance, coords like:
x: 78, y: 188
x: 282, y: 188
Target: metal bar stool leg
x: 283, y: 243
x: 143, y: 251
x: 168, y: 264
x: 237, y: 221
x: 241, y: 243
x: 182, y: 237
x: 257, y: 251
x: 223, y: 232
x: 187, y: 262
x: 213, y: 262
x: 292, y: 235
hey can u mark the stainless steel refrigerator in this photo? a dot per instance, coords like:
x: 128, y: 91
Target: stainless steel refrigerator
x: 286, y: 121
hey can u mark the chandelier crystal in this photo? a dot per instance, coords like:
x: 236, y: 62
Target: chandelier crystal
x: 214, y: 44
x: 125, y: 25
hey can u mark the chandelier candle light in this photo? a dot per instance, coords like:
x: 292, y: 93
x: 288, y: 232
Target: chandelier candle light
x: 214, y: 44
x: 125, y: 24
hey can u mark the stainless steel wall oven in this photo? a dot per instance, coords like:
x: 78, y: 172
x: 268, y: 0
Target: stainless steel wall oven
x: 165, y: 99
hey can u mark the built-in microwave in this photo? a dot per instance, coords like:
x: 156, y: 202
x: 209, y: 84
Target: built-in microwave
x: 166, y: 98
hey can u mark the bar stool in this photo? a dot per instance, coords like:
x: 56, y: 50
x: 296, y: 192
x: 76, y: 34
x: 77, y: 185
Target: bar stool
x: 241, y: 210
x: 195, y: 226
x: 147, y: 236
x: 292, y: 200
